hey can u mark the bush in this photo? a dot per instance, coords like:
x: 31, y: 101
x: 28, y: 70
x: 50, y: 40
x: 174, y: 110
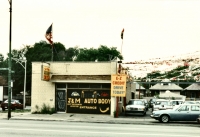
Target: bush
x: 46, y: 109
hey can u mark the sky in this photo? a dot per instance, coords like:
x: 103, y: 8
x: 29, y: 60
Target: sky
x: 152, y: 28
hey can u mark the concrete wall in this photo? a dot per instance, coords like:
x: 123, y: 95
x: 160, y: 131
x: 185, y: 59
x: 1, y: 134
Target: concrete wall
x: 44, y: 91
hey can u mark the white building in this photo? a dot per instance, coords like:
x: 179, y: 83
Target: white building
x: 74, y: 87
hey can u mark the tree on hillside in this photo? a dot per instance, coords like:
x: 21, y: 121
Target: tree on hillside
x: 1, y: 57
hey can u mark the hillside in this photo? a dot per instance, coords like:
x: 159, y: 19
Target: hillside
x: 184, y: 67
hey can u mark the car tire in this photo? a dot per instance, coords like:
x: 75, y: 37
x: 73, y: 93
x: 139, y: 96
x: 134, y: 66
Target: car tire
x: 3, y: 109
x: 164, y: 119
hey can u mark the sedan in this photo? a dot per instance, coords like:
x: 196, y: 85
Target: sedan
x: 161, y: 104
x: 135, y: 106
x: 198, y: 119
x: 184, y: 112
x: 15, y: 104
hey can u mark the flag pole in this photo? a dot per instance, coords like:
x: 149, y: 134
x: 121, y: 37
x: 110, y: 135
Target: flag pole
x: 52, y: 53
x: 121, y: 46
x: 52, y: 43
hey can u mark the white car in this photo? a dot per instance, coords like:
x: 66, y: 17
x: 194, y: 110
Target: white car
x: 135, y: 106
x: 162, y: 104
x: 175, y: 103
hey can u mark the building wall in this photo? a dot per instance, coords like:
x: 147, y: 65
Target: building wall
x: 44, y: 91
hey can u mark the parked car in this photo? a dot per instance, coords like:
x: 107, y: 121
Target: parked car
x: 15, y: 104
x: 146, y: 104
x: 185, y: 112
x: 161, y: 104
x: 176, y: 102
x: 198, y: 119
x: 189, y: 102
x: 135, y: 106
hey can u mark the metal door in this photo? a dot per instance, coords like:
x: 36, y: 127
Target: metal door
x: 60, y: 99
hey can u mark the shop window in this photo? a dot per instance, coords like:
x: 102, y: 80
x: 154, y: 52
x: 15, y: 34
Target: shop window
x: 61, y: 85
x: 106, y: 85
x: 72, y: 85
x: 95, y: 85
x: 84, y: 85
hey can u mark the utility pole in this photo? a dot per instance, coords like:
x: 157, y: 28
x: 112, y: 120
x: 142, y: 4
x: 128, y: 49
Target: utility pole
x: 9, y: 66
x: 20, y: 61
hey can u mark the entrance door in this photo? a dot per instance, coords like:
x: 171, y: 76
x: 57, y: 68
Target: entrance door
x: 61, y: 103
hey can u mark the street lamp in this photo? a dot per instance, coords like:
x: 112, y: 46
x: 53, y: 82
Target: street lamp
x: 9, y: 64
x: 20, y: 61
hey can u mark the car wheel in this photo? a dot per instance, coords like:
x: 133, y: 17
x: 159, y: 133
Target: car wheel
x: 144, y: 113
x: 164, y: 118
x: 3, y: 109
x: 198, y: 121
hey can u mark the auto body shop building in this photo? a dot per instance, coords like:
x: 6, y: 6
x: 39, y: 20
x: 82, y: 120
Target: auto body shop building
x: 74, y: 87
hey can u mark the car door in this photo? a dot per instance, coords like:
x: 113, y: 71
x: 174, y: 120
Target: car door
x: 195, y: 112
x: 183, y: 113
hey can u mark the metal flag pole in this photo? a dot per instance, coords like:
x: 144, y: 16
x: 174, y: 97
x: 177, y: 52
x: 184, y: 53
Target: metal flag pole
x: 52, y: 43
x: 52, y: 52
x: 121, y: 46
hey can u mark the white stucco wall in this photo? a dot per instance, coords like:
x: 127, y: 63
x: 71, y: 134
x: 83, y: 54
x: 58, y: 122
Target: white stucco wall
x: 44, y: 92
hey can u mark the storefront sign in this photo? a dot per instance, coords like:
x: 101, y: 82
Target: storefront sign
x: 88, y: 101
x: 118, y: 85
x: 45, y: 73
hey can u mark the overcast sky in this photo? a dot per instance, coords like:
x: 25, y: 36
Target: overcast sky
x: 153, y: 28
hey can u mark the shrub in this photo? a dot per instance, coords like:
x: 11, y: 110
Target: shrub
x: 46, y: 109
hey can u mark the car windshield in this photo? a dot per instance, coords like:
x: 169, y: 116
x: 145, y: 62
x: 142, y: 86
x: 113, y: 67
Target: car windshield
x: 135, y: 102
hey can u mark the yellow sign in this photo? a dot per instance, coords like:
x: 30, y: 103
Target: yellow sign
x: 118, y: 85
x: 45, y: 73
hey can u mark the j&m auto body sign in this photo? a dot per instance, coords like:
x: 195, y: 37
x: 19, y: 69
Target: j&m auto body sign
x: 118, y: 85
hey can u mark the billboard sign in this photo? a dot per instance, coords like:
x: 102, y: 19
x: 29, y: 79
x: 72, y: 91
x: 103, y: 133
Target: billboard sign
x: 88, y: 101
x: 118, y: 85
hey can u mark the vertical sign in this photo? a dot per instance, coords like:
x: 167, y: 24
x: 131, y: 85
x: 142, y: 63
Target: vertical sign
x: 45, y: 73
x: 118, y: 85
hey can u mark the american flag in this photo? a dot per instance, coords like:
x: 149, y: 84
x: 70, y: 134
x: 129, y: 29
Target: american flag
x: 49, y: 34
